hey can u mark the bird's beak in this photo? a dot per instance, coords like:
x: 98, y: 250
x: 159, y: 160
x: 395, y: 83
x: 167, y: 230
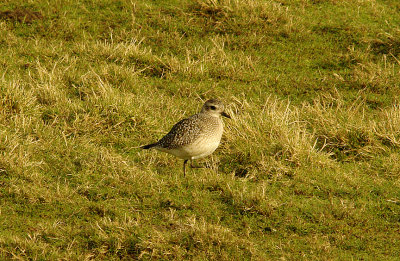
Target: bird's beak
x: 225, y: 115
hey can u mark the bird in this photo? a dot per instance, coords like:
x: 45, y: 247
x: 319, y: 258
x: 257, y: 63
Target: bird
x: 195, y: 137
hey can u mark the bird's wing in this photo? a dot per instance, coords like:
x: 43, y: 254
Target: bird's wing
x: 182, y: 133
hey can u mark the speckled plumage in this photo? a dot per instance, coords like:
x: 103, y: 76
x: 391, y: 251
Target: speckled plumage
x: 194, y: 137
x: 188, y: 130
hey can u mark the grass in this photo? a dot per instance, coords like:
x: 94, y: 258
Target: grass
x: 308, y: 167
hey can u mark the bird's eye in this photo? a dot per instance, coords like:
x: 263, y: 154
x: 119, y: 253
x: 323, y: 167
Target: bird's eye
x: 212, y: 107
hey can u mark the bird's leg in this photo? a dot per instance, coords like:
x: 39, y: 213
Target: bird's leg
x: 184, y: 167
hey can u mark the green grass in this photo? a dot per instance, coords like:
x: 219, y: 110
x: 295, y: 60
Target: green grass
x: 309, y: 164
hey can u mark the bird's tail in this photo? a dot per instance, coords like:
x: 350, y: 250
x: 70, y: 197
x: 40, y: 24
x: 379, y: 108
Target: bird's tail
x: 148, y: 146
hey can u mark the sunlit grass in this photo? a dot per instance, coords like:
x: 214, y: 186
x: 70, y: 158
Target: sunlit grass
x: 308, y: 167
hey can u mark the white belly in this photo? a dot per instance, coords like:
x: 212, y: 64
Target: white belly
x: 202, y: 147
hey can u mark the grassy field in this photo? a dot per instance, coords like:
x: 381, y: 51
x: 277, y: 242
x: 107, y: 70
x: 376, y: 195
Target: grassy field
x: 309, y: 164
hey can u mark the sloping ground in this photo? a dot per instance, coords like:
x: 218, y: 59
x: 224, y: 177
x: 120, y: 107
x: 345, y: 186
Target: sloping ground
x: 309, y: 163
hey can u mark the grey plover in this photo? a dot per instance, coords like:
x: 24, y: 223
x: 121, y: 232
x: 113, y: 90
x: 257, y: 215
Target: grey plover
x: 195, y: 137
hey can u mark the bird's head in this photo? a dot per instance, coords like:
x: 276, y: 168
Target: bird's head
x: 215, y: 108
